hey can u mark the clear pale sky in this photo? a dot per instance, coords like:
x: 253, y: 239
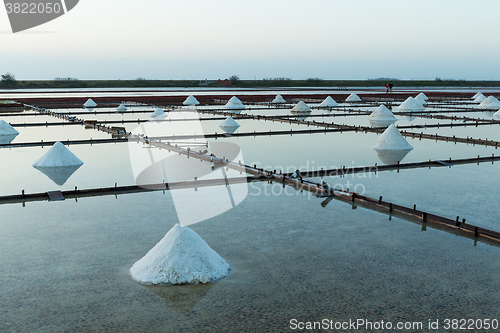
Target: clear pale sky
x: 198, y: 39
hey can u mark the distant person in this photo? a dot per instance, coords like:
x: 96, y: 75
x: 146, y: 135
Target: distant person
x: 387, y: 87
x: 390, y: 87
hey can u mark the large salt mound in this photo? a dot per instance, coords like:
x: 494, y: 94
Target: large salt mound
x: 479, y: 98
x: 6, y: 129
x: 411, y: 104
x: 58, y: 156
x: 182, y: 256
x: 391, y: 139
x: 90, y: 103
x: 490, y: 103
x: 229, y: 125
x: 191, y: 100
x: 122, y: 108
x: 158, y: 112
x: 234, y: 104
x: 421, y: 100
x: 278, y: 100
x: 477, y: 95
x: 353, y: 98
x: 422, y: 96
x: 301, y: 107
x: 382, y: 117
x: 329, y: 102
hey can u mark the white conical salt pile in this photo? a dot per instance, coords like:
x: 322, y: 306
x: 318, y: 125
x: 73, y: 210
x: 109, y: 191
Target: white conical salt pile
x: 90, y: 103
x: 6, y: 129
x: 490, y: 103
x: 411, y: 104
x: 480, y: 98
x: 421, y: 100
x: 122, y: 108
x: 328, y: 102
x: 391, y: 139
x: 191, y: 100
x: 382, y: 116
x: 181, y: 257
x: 158, y: 112
x: 477, y: 95
x: 234, y: 104
x: 278, y: 100
x: 422, y: 96
x: 229, y: 125
x: 301, y: 107
x: 58, y: 156
x: 353, y: 98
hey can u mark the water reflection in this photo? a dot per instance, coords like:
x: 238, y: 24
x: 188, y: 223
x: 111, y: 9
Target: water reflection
x: 59, y: 175
x: 389, y: 157
x: 182, y: 298
x: 7, y: 138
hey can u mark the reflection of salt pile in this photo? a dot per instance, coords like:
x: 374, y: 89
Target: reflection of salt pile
x: 477, y: 95
x: 411, y: 104
x: 496, y: 114
x: 301, y: 107
x: 234, y: 104
x: 278, y: 100
x: 229, y: 125
x: 391, y: 139
x: 59, y: 163
x: 382, y: 116
x: 182, y: 256
x: 122, y: 108
x: 479, y: 98
x: 353, y: 98
x: 490, y: 103
x: 421, y: 99
x: 90, y: 103
x: 157, y: 113
x: 329, y: 102
x: 191, y: 100
x: 7, y: 132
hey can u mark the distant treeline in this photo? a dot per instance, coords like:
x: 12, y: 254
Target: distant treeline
x: 265, y: 83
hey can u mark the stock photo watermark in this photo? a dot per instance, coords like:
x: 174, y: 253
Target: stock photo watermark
x: 24, y: 15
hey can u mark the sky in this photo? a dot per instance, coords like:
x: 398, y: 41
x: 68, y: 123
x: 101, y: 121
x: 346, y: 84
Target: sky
x: 201, y: 39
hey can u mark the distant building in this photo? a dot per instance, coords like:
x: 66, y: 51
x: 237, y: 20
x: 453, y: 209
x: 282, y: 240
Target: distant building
x: 224, y: 82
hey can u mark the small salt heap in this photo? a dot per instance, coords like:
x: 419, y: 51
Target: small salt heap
x: 234, y: 104
x: 229, y: 125
x: 382, y: 117
x: 421, y: 99
x: 59, y: 163
x: 328, y: 102
x: 122, y: 108
x: 490, y: 103
x: 301, y: 107
x: 278, y: 100
x: 353, y: 98
x: 422, y: 96
x: 181, y: 257
x: 411, y: 104
x: 7, y: 132
x: 477, y: 95
x: 191, y: 100
x: 90, y: 103
x: 392, y: 147
x: 480, y: 98
x: 158, y: 113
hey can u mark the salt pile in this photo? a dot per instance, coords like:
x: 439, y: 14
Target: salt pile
x: 301, y: 107
x: 382, y: 116
x: 422, y: 96
x: 391, y: 139
x: 157, y: 113
x: 479, y: 98
x: 191, y: 100
x: 59, y: 163
x: 234, y: 104
x: 490, y: 103
x: 229, y: 125
x: 7, y: 133
x: 90, y: 103
x: 278, y: 100
x: 353, y: 98
x: 329, y: 102
x: 182, y: 256
x: 477, y: 95
x: 122, y: 108
x: 496, y: 114
x: 420, y: 99
x: 411, y: 104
